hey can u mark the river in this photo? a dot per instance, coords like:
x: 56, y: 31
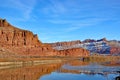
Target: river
x: 69, y: 70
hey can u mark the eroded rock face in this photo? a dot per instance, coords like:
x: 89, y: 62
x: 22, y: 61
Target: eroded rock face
x: 73, y: 52
x: 115, y: 50
x: 20, y: 41
x: 11, y: 36
x: 23, y: 42
x: 114, y: 47
x: 4, y: 23
x: 70, y: 43
x: 102, y: 46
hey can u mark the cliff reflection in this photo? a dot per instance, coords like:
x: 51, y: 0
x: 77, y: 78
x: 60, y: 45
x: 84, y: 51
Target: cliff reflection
x: 80, y: 70
x: 90, y: 68
x: 77, y: 67
x: 28, y: 73
x: 78, y: 63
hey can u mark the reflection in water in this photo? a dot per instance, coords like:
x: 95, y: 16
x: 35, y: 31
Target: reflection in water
x: 73, y: 70
x: 77, y: 70
x: 82, y: 76
x: 27, y: 73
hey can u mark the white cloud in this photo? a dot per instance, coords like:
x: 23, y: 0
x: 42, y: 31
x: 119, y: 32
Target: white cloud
x: 73, y: 25
x: 54, y: 8
x: 72, y: 28
x: 24, y: 6
x: 60, y: 21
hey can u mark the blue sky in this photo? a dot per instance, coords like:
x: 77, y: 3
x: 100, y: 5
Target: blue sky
x: 65, y: 20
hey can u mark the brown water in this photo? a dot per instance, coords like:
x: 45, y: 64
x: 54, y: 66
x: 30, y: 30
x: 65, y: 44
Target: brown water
x: 72, y: 70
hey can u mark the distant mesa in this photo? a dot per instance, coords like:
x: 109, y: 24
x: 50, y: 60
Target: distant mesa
x: 15, y: 42
x: 102, y: 46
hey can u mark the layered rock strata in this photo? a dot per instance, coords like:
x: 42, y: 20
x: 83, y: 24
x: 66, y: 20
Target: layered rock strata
x: 22, y: 42
x: 102, y: 46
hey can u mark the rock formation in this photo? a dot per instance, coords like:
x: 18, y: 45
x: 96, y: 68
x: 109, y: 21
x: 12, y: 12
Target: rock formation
x: 73, y: 52
x: 115, y: 50
x: 102, y: 46
x: 70, y: 43
x: 11, y: 36
x: 115, y: 47
x: 20, y: 42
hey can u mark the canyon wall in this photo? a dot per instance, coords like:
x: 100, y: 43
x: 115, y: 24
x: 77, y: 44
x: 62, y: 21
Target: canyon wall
x: 69, y: 43
x: 20, y: 42
x: 11, y: 36
x: 102, y: 46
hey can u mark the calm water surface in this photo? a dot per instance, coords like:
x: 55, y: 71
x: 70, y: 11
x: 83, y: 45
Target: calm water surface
x: 78, y: 70
x: 72, y: 70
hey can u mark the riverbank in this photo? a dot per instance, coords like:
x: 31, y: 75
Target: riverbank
x: 102, y: 58
x: 48, y: 60
x: 23, y: 63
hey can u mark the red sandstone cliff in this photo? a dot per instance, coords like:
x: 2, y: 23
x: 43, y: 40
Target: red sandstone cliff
x: 22, y: 42
x: 70, y: 43
x: 73, y: 52
x: 102, y: 46
x: 115, y: 47
x: 115, y: 50
x: 11, y: 36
